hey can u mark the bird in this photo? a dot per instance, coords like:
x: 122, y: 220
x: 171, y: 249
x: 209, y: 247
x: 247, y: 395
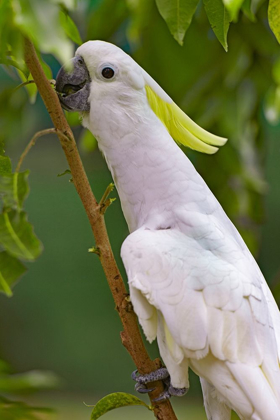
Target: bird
x: 193, y: 283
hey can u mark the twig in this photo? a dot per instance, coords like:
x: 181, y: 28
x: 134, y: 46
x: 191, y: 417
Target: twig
x: 33, y: 141
x: 131, y: 336
x: 28, y: 82
x: 105, y: 202
x: 108, y: 190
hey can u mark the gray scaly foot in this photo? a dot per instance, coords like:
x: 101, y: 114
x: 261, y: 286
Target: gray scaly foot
x: 160, y: 374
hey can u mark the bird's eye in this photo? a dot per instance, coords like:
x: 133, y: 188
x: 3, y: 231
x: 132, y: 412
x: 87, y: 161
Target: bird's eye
x: 108, y: 73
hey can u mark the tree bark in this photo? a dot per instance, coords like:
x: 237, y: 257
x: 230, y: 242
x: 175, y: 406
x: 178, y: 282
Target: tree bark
x: 131, y: 337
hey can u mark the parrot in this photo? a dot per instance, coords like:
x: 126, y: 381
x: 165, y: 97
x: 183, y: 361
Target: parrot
x: 193, y: 282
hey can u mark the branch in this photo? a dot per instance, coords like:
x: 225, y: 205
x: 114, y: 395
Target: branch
x: 131, y: 336
x: 32, y: 143
x: 28, y: 82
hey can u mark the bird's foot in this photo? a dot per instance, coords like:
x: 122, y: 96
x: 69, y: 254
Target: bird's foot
x: 160, y: 374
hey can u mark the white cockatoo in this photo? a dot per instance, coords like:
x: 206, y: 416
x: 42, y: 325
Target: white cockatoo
x: 193, y: 282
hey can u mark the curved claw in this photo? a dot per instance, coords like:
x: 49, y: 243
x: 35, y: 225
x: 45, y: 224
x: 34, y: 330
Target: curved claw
x: 177, y: 392
x: 134, y: 375
x: 163, y: 396
x: 171, y: 391
x: 142, y: 388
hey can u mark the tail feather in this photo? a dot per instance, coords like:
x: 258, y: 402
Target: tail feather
x: 245, y: 389
x: 258, y: 390
x: 215, y: 408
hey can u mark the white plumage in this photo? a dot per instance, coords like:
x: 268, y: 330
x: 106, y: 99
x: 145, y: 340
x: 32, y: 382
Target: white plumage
x: 194, y: 284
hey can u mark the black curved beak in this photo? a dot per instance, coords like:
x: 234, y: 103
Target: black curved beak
x: 73, y: 86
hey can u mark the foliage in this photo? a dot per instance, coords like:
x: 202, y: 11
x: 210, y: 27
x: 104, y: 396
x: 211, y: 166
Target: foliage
x: 20, y: 19
x: 274, y: 17
x: 17, y: 239
x: 199, y: 76
x: 178, y: 15
x: 113, y: 401
x: 12, y: 384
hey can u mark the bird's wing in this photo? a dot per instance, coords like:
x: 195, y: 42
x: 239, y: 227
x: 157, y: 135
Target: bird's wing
x: 210, y: 299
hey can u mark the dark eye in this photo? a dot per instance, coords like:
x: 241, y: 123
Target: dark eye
x: 108, y: 72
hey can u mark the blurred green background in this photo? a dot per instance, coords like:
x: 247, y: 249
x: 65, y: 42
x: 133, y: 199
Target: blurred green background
x: 61, y: 317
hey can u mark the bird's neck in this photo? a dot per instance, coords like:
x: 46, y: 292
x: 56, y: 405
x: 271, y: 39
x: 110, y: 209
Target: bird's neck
x: 150, y: 171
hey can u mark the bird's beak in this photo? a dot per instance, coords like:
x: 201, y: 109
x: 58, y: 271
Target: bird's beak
x: 73, y: 85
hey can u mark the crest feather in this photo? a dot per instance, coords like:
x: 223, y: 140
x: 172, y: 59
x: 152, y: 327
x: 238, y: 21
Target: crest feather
x: 183, y: 130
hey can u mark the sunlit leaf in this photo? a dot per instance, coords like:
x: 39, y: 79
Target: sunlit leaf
x: 17, y: 236
x: 10, y: 271
x: 274, y: 17
x: 31, y: 88
x: 14, y: 189
x: 15, y: 46
x: 233, y: 7
x: 69, y: 27
x: 115, y: 400
x: 87, y: 141
x: 219, y: 19
x: 10, y: 61
x: 178, y: 16
x: 40, y: 21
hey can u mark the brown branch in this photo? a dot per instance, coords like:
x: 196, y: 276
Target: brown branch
x: 131, y: 336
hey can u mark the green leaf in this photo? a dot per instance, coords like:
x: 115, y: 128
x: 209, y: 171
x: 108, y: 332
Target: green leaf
x: 10, y: 271
x: 233, y: 7
x: 11, y: 410
x: 29, y: 381
x: 14, y: 189
x: 5, y: 165
x: 87, y: 141
x: 46, y: 68
x: 178, y: 15
x: 17, y: 237
x: 115, y: 400
x: 69, y: 27
x: 73, y: 118
x: 219, y: 19
x: 30, y: 88
x: 255, y: 5
x: 274, y: 17
x: 248, y: 11
x: 39, y: 20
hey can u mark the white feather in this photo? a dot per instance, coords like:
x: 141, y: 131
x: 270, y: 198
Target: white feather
x: 194, y: 285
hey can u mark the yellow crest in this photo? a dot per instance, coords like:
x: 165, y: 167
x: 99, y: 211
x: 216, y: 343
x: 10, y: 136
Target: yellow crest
x: 183, y: 130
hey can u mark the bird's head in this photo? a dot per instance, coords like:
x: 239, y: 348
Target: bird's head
x: 99, y: 69
x: 103, y: 73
